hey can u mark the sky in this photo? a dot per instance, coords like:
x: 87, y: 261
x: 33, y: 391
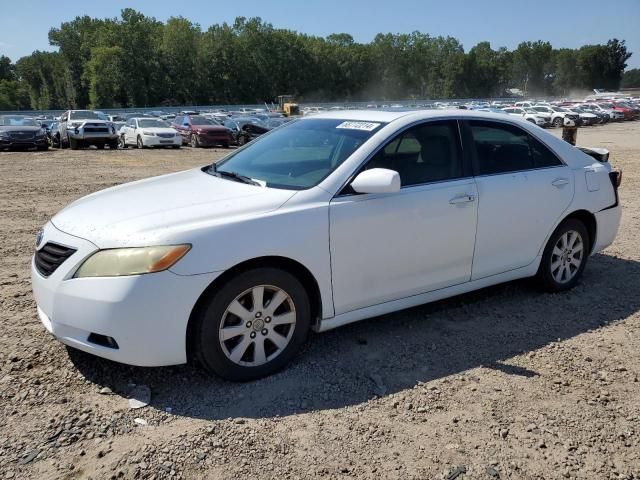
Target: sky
x: 565, y: 23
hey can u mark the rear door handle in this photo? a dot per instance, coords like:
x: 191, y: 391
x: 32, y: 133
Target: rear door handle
x: 560, y: 182
x: 462, y: 199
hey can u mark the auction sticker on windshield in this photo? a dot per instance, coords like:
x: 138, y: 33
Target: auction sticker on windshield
x: 366, y: 126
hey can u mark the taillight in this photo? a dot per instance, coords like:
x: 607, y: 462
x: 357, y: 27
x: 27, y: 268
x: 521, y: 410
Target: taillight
x: 616, y: 178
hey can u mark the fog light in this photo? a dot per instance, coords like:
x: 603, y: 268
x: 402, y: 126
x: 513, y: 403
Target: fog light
x: 103, y: 341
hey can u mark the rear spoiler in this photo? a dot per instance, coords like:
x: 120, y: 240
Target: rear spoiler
x: 600, y: 154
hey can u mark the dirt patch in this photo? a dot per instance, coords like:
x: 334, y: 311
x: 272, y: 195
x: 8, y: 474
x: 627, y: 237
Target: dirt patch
x: 502, y: 383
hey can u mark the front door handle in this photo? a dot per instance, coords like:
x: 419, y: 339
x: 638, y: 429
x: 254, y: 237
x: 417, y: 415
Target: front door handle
x: 462, y: 199
x: 560, y: 182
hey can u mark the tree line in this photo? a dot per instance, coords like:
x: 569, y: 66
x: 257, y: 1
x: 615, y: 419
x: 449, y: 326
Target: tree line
x: 137, y: 61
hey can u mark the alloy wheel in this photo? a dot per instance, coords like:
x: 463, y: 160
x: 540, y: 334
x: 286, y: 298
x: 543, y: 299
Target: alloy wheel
x: 257, y: 325
x: 567, y: 256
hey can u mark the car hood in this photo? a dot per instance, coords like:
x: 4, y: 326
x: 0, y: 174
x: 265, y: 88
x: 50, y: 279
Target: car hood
x: 19, y: 128
x: 164, y: 209
x: 209, y: 128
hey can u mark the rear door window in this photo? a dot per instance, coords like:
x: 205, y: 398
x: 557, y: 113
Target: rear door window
x: 502, y: 148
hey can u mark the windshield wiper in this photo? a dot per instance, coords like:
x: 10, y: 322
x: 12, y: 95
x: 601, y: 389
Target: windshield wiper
x: 213, y: 170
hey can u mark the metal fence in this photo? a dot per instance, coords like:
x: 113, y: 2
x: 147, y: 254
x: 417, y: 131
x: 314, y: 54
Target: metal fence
x: 380, y: 103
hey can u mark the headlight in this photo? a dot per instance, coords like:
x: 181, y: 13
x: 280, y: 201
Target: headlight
x: 131, y: 261
x: 148, y: 133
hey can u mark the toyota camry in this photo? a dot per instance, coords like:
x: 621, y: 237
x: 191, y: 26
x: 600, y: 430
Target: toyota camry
x: 324, y: 221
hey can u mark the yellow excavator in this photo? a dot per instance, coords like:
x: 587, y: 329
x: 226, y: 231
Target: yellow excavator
x: 287, y: 106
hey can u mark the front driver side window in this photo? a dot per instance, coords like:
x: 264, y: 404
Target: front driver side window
x: 426, y: 153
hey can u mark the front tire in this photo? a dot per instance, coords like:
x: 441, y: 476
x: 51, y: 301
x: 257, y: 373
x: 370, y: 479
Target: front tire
x: 195, y: 141
x: 565, y: 256
x: 253, y: 325
x: 74, y: 144
x: 139, y: 142
x: 557, y: 122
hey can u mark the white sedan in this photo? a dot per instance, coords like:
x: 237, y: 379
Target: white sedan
x: 530, y: 115
x: 146, y: 132
x: 328, y: 220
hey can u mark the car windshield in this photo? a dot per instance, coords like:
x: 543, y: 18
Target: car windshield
x: 84, y: 115
x: 300, y: 154
x: 198, y: 120
x: 7, y: 121
x: 152, y: 123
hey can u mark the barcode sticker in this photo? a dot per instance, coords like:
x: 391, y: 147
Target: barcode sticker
x: 366, y: 126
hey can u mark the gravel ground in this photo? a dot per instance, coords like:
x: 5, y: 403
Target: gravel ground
x: 502, y: 383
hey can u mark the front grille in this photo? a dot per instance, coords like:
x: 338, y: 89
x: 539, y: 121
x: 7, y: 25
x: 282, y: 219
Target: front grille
x: 166, y: 135
x: 22, y: 135
x: 96, y: 129
x: 50, y: 257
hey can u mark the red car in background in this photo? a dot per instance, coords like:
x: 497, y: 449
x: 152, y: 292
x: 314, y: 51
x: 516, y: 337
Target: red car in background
x: 199, y: 131
x: 635, y: 111
x: 627, y: 112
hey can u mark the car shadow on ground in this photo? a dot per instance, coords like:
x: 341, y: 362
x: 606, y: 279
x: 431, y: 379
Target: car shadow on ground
x: 394, y: 352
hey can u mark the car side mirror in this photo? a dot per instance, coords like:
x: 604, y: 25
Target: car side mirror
x: 377, y: 180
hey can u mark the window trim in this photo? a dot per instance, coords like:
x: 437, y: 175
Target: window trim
x: 467, y: 139
x: 467, y: 170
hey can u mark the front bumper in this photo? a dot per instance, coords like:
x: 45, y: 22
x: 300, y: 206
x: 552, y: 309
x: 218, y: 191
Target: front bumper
x: 92, y: 136
x: 212, y: 140
x: 155, y: 141
x: 27, y: 143
x: 146, y: 315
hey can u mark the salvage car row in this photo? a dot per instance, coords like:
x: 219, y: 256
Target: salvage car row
x: 77, y: 129
x: 82, y: 128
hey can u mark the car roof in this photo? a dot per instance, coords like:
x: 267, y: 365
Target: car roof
x: 385, y: 116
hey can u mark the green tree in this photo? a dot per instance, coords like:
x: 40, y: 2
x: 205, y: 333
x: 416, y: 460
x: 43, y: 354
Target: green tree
x: 104, y: 75
x: 533, y: 67
x: 7, y: 69
x: 631, y: 78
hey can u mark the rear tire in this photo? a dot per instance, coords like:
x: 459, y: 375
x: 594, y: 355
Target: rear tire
x: 565, y: 256
x: 74, y: 144
x: 238, y: 339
